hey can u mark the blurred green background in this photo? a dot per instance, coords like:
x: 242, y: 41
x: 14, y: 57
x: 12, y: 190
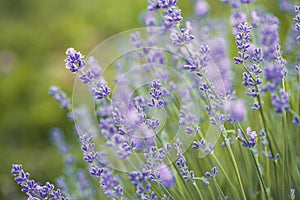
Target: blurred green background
x: 33, y: 38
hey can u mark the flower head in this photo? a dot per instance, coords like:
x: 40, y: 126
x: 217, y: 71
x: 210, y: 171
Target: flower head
x: 281, y: 101
x: 74, y: 60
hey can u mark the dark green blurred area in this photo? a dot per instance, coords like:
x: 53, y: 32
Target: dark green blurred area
x: 33, y: 38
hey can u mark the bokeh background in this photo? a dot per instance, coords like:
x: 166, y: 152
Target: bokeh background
x: 33, y: 38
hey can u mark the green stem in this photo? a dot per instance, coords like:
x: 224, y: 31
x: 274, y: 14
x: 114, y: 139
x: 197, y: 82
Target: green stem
x: 219, y: 189
x: 236, y: 170
x: 198, y: 191
x: 225, y: 174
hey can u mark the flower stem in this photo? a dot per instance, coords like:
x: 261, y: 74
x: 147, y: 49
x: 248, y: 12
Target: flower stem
x: 236, y: 170
x: 198, y: 191
x: 225, y: 174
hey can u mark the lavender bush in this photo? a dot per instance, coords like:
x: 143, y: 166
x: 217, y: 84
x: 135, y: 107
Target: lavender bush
x: 166, y: 112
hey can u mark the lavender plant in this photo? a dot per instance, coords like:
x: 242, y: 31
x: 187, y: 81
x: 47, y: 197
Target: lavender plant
x: 173, y: 123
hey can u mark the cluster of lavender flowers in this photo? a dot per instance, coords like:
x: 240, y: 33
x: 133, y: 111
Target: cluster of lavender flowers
x: 155, y: 135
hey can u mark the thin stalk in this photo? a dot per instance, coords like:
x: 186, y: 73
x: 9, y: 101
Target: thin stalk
x: 236, y: 170
x: 198, y: 191
x: 211, y: 193
x: 225, y: 174
x: 261, y: 185
x: 268, y: 170
x: 286, y: 147
x: 218, y: 188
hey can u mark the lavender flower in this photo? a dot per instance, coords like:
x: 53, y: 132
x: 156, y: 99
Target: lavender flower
x: 246, y: 1
x: 182, y: 37
x: 98, y: 168
x: 74, y: 60
x: 252, y: 137
x: 242, y: 40
x: 296, y: 120
x: 58, y: 140
x: 214, y: 173
x: 63, y: 186
x: 274, y: 73
x: 205, y: 181
x: 297, y: 20
x: 140, y: 180
x: 263, y: 138
x: 110, y: 184
x: 33, y: 189
x: 166, y: 3
x: 269, y: 36
x: 157, y: 94
x: 236, y: 19
x: 152, y: 5
x: 199, y: 60
x: 172, y: 16
x: 84, y: 186
x: 281, y: 102
x: 154, y: 157
x: 233, y: 3
x: 60, y: 96
x: 204, y: 145
x: 101, y: 91
x: 87, y: 77
x: 292, y: 193
x: 186, y: 174
x: 257, y: 55
x: 92, y: 76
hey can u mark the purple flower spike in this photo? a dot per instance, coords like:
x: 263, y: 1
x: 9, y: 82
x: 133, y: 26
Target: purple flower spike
x: 242, y: 40
x: 60, y: 96
x: 179, y: 39
x: 87, y: 77
x: 281, y: 102
x: 16, y: 169
x: 257, y: 56
x: 274, y: 73
x: 32, y: 189
x: 166, y: 3
x: 297, y: 9
x: 74, y: 60
x: 152, y: 5
x: 172, y: 16
x: 101, y: 91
